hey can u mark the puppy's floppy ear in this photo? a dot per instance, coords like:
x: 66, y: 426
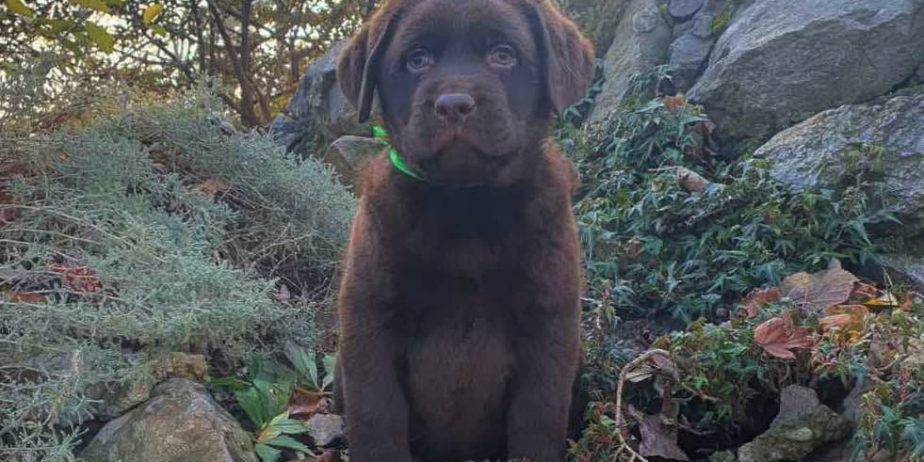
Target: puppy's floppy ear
x: 359, y: 61
x: 566, y: 56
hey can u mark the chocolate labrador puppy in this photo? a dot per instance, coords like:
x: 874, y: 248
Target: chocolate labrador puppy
x: 459, y: 302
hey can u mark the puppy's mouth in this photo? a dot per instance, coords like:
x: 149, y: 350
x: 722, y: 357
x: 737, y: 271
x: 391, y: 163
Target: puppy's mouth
x: 460, y: 162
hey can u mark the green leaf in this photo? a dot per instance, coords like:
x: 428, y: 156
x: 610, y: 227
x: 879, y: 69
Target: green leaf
x: 284, y: 441
x: 304, y: 364
x: 250, y: 402
x: 151, y: 13
x: 267, y: 434
x: 230, y: 383
x: 290, y: 427
x: 267, y: 454
x: 17, y: 7
x: 100, y: 37
x: 97, y: 5
x: 157, y: 29
x: 330, y: 364
x: 60, y: 25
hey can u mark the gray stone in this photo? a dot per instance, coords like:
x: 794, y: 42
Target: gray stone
x: 641, y: 43
x: 797, y: 438
x: 919, y: 74
x: 688, y: 55
x: 319, y: 111
x: 180, y: 423
x: 854, y: 401
x: 349, y: 153
x: 702, y: 24
x: 683, y: 10
x: 724, y: 456
x: 796, y: 402
x: 326, y: 430
x: 779, y: 61
x: 883, y: 139
x: 903, y: 268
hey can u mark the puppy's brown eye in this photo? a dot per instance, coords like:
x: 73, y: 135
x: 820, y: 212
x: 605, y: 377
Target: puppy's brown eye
x: 419, y: 60
x: 502, y: 56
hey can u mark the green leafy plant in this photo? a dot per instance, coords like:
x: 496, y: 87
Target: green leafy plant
x: 306, y: 368
x: 264, y: 397
x: 669, y: 227
x: 146, y: 229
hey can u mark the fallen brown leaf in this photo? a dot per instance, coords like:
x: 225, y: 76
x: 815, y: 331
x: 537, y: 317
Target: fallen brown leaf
x: 305, y: 403
x: 659, y: 436
x: 27, y: 297
x: 778, y: 337
x: 212, y: 187
x: 818, y: 291
x: 758, y: 298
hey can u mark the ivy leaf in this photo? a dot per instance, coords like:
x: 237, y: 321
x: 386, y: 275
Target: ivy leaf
x: 97, y: 5
x: 100, y: 37
x: 18, y: 7
x: 151, y: 13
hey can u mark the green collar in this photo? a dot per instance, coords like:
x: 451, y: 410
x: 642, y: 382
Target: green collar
x: 396, y: 158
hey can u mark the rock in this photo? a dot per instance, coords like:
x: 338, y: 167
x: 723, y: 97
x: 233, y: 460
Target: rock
x: 688, y: 55
x: 683, y: 10
x: 724, y: 456
x: 181, y: 365
x: 180, y: 423
x: 641, y: 42
x: 349, y: 153
x: 886, y: 138
x: 319, y: 111
x: 326, y: 430
x: 919, y: 74
x: 903, y: 268
x: 851, y: 407
x: 779, y: 61
x: 796, y: 402
x: 802, y: 426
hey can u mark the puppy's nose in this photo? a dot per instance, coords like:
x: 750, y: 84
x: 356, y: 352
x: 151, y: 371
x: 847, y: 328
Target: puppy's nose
x: 455, y: 106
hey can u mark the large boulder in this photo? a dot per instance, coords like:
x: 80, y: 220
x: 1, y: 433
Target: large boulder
x: 803, y: 426
x: 180, y: 423
x: 319, y: 111
x: 641, y: 43
x: 884, y: 139
x: 694, y: 38
x: 780, y: 61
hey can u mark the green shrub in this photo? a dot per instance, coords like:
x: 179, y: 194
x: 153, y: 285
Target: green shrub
x: 669, y: 228
x: 119, y: 250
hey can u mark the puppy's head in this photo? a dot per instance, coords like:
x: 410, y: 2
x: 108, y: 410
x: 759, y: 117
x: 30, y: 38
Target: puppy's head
x: 467, y: 87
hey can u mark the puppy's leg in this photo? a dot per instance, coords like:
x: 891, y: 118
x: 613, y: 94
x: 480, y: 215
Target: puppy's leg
x: 376, y: 409
x: 548, y: 353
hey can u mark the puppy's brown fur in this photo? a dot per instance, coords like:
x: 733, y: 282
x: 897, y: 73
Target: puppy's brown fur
x: 459, y: 303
